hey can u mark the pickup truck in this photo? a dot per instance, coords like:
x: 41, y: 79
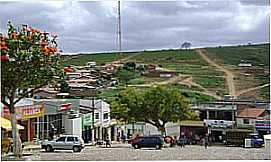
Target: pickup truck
x: 237, y: 137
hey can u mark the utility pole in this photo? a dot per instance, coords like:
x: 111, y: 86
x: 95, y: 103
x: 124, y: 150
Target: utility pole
x: 119, y: 31
x: 93, y: 129
x: 232, y: 115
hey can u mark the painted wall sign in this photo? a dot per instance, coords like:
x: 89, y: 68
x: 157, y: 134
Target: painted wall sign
x: 218, y: 123
x: 26, y: 112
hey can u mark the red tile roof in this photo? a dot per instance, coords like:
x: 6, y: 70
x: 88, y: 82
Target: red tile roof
x: 250, y: 113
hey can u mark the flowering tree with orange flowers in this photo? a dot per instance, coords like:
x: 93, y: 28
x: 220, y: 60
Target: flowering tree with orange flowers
x: 29, y: 61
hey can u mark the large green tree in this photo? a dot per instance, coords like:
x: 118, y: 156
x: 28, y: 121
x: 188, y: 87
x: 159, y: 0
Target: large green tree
x: 156, y: 106
x: 29, y: 61
x: 125, y: 75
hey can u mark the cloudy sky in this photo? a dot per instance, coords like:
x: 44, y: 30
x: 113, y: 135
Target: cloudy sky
x: 91, y: 26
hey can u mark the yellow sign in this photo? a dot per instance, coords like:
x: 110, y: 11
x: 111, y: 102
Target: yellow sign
x: 27, y: 112
x: 32, y: 111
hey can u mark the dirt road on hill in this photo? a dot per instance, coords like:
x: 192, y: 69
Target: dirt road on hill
x: 252, y: 89
x: 178, y: 79
x: 126, y: 58
x: 229, y: 75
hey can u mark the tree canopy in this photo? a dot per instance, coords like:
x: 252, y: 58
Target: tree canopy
x: 186, y: 45
x: 125, y: 75
x: 157, y: 106
x: 29, y: 61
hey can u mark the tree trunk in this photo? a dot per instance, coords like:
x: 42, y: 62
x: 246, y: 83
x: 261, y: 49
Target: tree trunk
x: 163, y: 130
x: 17, y: 145
x: 133, y: 128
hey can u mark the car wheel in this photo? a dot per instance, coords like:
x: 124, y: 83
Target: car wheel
x: 76, y: 149
x: 136, y: 146
x: 48, y: 148
x: 157, y: 146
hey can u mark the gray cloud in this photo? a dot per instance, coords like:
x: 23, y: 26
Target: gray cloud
x: 90, y: 26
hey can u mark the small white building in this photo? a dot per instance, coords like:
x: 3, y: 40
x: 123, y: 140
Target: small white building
x: 102, y: 122
x: 245, y: 65
x: 247, y: 117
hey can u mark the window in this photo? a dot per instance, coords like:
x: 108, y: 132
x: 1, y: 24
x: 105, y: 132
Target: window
x: 246, y: 121
x: 76, y: 139
x: 61, y: 139
x: 96, y: 115
x: 105, y: 115
x: 70, y: 139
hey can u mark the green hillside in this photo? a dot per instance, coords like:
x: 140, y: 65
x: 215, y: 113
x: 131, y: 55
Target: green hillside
x: 82, y: 59
x: 194, y: 74
x: 258, y: 55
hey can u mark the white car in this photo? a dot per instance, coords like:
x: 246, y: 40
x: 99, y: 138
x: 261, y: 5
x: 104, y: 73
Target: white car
x: 65, y: 142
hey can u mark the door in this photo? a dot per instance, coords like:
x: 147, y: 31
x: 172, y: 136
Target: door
x: 60, y: 143
x: 153, y: 142
x: 70, y: 143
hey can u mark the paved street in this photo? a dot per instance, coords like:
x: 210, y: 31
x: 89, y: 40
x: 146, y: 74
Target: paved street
x: 125, y: 152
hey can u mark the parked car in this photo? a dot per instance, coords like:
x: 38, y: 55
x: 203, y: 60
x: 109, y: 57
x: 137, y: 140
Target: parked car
x: 148, y: 141
x: 237, y: 137
x: 133, y: 140
x: 65, y: 142
x: 256, y: 141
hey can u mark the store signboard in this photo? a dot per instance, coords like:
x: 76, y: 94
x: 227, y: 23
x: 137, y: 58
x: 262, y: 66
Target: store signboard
x: 218, y: 123
x: 87, y: 120
x: 263, y: 123
x: 64, y: 107
x: 26, y: 112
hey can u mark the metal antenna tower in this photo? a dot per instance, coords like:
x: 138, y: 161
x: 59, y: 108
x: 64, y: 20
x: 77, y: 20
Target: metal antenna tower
x: 119, y: 32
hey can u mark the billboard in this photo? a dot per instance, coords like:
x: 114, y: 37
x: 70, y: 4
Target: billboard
x: 263, y: 123
x: 219, y: 123
x: 26, y: 112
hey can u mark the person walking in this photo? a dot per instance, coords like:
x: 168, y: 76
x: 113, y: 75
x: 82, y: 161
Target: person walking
x: 107, y: 141
x: 182, y: 141
x: 206, y: 141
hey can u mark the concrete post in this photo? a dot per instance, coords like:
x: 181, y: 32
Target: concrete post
x: 47, y: 123
x: 38, y: 128
x: 109, y: 133
x: 100, y: 132
x: 29, y: 130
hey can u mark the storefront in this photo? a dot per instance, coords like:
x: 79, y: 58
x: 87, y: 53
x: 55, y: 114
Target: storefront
x: 192, y: 130
x: 263, y: 126
x: 26, y: 116
x: 6, y: 134
x: 86, y: 127
x: 217, y: 129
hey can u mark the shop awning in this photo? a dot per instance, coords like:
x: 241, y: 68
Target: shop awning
x: 6, y: 124
x: 191, y: 123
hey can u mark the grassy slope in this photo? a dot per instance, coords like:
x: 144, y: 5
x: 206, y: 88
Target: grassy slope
x: 188, y: 62
x: 82, y: 59
x: 256, y: 54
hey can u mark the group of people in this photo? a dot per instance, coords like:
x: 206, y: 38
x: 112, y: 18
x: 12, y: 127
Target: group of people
x: 203, y: 140
x: 101, y: 142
